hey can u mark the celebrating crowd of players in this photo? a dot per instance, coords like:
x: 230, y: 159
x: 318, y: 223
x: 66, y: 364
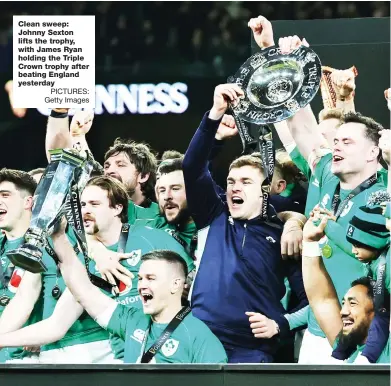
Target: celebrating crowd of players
x: 198, y: 274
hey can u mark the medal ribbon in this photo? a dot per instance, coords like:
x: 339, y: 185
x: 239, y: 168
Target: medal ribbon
x: 337, y: 207
x: 158, y: 344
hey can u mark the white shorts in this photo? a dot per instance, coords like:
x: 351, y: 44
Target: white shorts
x: 315, y: 350
x: 86, y: 353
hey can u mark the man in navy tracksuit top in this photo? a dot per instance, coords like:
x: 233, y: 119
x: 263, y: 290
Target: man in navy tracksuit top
x: 240, y: 280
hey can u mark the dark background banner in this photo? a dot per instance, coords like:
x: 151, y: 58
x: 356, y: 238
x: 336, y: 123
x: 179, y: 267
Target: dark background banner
x: 340, y: 43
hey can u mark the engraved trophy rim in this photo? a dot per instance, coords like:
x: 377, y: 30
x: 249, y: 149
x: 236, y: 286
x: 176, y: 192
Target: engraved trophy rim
x: 284, y: 90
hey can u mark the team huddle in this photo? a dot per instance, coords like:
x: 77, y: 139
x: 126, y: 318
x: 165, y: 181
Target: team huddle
x: 198, y: 274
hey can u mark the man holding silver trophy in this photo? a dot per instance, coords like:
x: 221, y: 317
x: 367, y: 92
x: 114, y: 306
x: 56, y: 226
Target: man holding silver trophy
x: 240, y: 279
x: 354, y: 160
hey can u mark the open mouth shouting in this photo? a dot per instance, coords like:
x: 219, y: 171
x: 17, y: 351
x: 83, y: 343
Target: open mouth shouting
x: 146, y: 297
x: 337, y: 159
x: 237, y: 201
x: 3, y: 212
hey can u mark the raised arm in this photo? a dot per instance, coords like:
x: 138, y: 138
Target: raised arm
x: 80, y: 125
x: 19, y: 309
x: 76, y: 277
x: 202, y: 198
x: 320, y: 290
x: 57, y: 131
x: 50, y: 330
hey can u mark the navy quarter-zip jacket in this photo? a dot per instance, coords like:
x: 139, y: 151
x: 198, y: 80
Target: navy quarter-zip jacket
x: 241, y: 268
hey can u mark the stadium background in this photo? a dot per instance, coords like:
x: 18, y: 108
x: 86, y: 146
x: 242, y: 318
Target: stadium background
x: 198, y: 44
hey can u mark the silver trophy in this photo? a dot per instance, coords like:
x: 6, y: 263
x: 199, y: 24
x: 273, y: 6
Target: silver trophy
x: 50, y: 198
x: 275, y: 87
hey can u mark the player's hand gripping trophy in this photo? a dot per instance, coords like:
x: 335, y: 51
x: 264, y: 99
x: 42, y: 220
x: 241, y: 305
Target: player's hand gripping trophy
x: 67, y: 166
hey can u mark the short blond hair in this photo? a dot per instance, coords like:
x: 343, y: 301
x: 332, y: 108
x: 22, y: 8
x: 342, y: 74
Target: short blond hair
x: 253, y: 160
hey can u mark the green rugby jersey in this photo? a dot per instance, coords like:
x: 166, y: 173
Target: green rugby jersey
x: 384, y: 356
x: 373, y: 266
x: 9, y: 292
x: 191, y: 342
x: 85, y: 329
x: 141, y: 240
x: 341, y: 264
x: 151, y: 217
x: 313, y: 194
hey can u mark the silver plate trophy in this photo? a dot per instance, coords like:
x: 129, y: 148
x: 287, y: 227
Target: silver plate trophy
x: 275, y: 87
x: 49, y: 200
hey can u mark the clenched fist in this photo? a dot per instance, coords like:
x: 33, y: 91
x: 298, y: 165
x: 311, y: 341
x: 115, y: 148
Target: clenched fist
x: 262, y: 31
x: 82, y: 122
x: 343, y: 83
x: 291, y: 43
x: 261, y: 326
x: 223, y: 95
x: 227, y: 128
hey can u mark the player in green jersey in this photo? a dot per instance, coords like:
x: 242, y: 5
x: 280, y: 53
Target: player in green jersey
x: 16, y: 200
x: 104, y: 209
x: 39, y: 292
x: 161, y: 276
x: 172, y: 217
x: 347, y: 325
x: 134, y: 164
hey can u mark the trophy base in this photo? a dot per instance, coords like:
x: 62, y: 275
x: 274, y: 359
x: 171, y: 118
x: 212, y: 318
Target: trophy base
x: 28, y: 257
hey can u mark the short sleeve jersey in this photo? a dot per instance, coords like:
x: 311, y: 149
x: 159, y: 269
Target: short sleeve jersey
x: 14, y: 276
x: 85, y: 329
x: 140, y: 241
x: 341, y: 264
x: 191, y: 341
x: 151, y: 217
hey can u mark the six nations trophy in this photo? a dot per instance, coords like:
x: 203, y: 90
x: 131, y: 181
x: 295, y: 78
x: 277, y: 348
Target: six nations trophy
x: 57, y: 194
x: 275, y: 87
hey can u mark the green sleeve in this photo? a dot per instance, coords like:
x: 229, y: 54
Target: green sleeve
x: 337, y: 233
x: 123, y: 319
x: 298, y: 318
x: 208, y: 349
x: 300, y: 162
x: 136, y: 212
x: 323, y: 170
x: 385, y: 355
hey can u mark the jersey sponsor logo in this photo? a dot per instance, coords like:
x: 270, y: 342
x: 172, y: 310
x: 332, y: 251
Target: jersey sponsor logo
x: 325, y: 200
x: 269, y: 238
x: 170, y: 347
x: 138, y: 335
x: 134, y: 258
x: 15, y: 280
x: 347, y: 209
x: 129, y: 300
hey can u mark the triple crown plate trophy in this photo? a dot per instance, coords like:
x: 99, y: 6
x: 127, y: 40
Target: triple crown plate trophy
x: 57, y: 194
x: 275, y: 87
